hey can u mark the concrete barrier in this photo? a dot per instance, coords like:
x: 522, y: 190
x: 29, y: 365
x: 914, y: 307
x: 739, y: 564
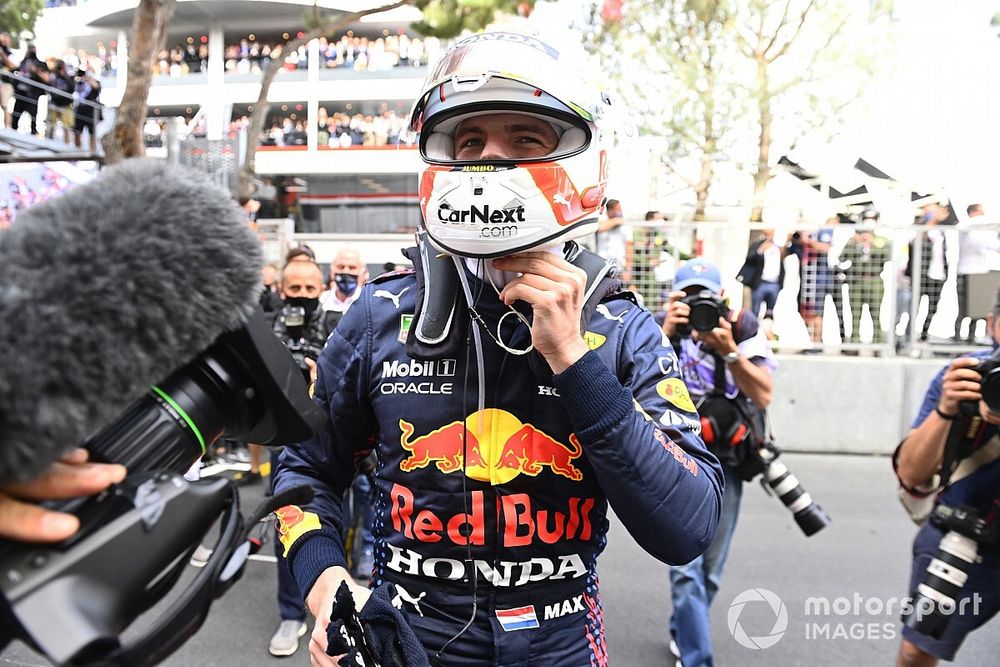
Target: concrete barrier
x: 853, y: 405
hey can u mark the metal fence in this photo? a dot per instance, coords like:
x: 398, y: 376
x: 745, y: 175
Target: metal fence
x: 218, y: 159
x: 874, y: 290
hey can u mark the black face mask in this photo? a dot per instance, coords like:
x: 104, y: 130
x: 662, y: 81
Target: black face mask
x: 307, y: 304
x: 347, y: 283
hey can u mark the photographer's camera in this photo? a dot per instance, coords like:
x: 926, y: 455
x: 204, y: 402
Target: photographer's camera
x: 706, y: 309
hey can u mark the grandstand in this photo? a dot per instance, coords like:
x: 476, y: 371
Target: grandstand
x: 208, y: 76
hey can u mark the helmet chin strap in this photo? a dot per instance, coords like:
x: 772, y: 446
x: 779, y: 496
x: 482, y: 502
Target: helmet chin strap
x: 482, y: 269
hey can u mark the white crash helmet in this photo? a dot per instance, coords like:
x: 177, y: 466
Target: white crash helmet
x: 488, y: 208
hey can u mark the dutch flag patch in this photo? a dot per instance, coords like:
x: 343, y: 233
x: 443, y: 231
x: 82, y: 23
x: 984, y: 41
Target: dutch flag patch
x: 522, y: 618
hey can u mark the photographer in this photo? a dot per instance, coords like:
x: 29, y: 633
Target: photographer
x: 728, y: 371
x: 303, y: 327
x: 955, y: 395
x: 22, y: 519
x: 86, y: 108
x: 30, y: 72
x: 60, y: 103
x: 6, y: 87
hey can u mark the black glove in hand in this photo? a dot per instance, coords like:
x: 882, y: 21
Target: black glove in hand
x: 380, y: 636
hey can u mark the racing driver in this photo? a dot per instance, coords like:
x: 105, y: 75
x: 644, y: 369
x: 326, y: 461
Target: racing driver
x: 509, y: 390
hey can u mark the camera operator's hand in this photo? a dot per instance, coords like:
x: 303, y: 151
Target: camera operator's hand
x: 69, y: 477
x: 677, y: 313
x: 719, y: 339
x: 313, y: 373
x: 320, y: 604
x: 960, y: 383
x: 921, y: 453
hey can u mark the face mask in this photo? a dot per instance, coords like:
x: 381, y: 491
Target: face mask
x: 346, y: 283
x: 307, y: 304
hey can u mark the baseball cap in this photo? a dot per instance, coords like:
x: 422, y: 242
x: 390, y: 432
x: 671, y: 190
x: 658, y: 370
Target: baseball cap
x: 698, y: 271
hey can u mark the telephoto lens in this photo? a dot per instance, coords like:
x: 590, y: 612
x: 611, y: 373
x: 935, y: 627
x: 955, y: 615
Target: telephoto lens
x: 244, y: 386
x: 936, y: 599
x: 806, y: 511
x: 936, y: 596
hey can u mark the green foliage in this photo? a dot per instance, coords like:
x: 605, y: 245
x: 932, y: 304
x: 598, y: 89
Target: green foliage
x: 448, y: 18
x: 738, y: 81
x: 673, y: 66
x: 18, y: 15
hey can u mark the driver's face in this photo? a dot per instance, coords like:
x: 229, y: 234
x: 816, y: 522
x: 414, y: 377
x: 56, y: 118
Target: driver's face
x: 504, y: 136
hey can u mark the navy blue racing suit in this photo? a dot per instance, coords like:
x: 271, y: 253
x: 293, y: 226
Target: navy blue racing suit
x: 510, y: 501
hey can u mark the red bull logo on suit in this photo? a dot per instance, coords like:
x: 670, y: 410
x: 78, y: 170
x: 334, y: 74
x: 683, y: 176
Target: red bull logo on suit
x: 499, y: 447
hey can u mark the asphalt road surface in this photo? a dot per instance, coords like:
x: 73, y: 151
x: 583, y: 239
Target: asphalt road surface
x: 859, y: 564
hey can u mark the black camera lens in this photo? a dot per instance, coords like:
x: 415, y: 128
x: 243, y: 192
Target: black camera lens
x: 806, y: 511
x: 812, y: 519
x: 242, y: 387
x: 706, y: 309
x: 704, y: 317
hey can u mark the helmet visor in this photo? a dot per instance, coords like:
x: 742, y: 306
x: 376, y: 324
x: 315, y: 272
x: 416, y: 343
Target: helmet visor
x: 470, y: 63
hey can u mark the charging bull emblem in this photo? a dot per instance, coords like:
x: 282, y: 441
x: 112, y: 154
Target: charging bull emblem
x: 498, y: 445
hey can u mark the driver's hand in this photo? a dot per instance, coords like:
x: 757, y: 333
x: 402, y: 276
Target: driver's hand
x: 320, y: 604
x: 554, y: 289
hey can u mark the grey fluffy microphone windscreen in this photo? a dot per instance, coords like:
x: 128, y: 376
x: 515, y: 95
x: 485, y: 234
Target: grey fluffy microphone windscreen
x: 107, y: 289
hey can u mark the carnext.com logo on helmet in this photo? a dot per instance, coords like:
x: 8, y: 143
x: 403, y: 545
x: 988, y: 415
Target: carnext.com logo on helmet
x: 484, y: 215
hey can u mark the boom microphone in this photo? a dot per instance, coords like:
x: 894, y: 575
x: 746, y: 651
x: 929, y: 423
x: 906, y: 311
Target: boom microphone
x: 129, y: 321
x: 105, y: 291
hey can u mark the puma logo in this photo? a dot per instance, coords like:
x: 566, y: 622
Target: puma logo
x: 603, y: 310
x: 403, y: 596
x: 557, y: 198
x: 386, y: 294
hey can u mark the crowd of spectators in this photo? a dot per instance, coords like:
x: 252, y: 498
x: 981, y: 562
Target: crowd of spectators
x: 335, y: 130
x: 102, y: 59
x: 71, y: 89
x: 251, y: 55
